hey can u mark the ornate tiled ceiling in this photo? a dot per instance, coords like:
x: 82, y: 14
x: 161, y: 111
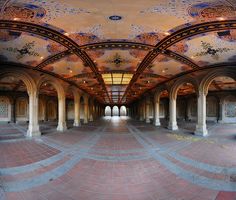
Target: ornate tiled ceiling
x: 153, y: 40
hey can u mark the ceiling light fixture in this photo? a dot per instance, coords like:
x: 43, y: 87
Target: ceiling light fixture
x: 220, y: 18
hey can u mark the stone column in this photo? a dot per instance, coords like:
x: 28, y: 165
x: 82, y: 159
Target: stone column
x: 221, y: 108
x: 77, y: 110
x: 144, y: 110
x: 119, y: 111
x: 157, y: 112
x: 201, y: 128
x: 91, y: 113
x: 147, y: 105
x: 61, y: 113
x: 86, y: 109
x: 172, y: 110
x: 33, y: 129
x: 13, y: 110
x: 141, y: 112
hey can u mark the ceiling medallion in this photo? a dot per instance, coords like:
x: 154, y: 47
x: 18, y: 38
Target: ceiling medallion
x: 115, y: 17
x: 117, y: 60
x: 210, y: 50
x: 26, y: 50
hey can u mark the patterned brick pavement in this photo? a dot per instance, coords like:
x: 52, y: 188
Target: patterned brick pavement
x: 118, y: 159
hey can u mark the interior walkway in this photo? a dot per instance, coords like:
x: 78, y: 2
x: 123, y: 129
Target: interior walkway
x: 117, y: 159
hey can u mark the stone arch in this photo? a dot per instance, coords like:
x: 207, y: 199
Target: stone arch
x: 159, y: 91
x: 177, y: 84
x: 5, y: 109
x: 123, y: 111
x: 61, y: 99
x: 108, y: 111
x: 207, y: 80
x: 115, y: 111
x: 55, y: 83
x: 23, y: 76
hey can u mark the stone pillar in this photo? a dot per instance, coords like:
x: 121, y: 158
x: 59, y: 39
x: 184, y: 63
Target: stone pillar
x: 221, y: 114
x: 157, y: 113
x: 172, y: 111
x: 33, y: 129
x: 61, y: 113
x: 141, y: 112
x: 44, y: 109
x: 201, y: 128
x: 91, y: 113
x: 147, y: 105
x: 77, y: 110
x: 86, y: 110
x: 13, y: 110
x: 119, y: 111
x: 144, y: 110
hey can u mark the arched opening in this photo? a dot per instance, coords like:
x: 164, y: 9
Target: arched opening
x: 115, y: 111
x: 16, y: 89
x: 14, y: 101
x: 107, y: 111
x: 48, y: 92
x: 161, y: 107
x: 70, y: 108
x: 123, y: 111
x: 185, y: 111
x: 221, y: 101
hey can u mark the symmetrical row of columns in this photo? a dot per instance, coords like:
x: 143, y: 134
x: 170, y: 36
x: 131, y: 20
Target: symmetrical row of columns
x: 142, y: 109
x: 89, y: 113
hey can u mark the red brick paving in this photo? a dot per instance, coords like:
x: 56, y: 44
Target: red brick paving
x: 92, y: 179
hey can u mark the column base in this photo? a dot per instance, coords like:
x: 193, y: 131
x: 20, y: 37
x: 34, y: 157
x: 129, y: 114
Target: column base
x: 33, y: 131
x: 76, y: 123
x: 201, y: 131
x: 61, y: 127
x: 157, y: 123
x: 173, y: 126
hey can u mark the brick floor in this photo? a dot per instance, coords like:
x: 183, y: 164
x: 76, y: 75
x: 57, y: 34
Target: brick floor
x: 118, y: 159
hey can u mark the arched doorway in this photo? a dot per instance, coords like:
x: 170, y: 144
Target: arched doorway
x: 161, y: 107
x: 49, y: 93
x: 115, y: 111
x: 186, y: 102
x: 123, y: 111
x: 107, y: 111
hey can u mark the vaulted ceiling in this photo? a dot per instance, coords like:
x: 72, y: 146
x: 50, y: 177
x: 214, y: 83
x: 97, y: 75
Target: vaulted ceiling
x: 117, y: 50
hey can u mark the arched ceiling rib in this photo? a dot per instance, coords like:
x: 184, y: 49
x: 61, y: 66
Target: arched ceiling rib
x: 176, y: 37
x: 55, y: 36
x: 104, y: 43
